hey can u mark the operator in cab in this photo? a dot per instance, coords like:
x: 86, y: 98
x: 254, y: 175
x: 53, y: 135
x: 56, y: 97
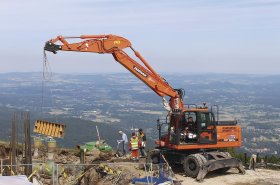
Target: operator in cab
x: 189, y: 130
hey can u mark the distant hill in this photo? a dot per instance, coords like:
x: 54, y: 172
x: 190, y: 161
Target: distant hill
x: 121, y: 101
x: 78, y: 131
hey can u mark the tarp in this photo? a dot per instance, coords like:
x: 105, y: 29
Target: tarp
x: 153, y: 180
x: 14, y: 180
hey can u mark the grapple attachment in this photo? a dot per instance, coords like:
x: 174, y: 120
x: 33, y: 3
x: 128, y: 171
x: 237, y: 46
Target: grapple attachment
x: 221, y: 165
x: 198, y: 165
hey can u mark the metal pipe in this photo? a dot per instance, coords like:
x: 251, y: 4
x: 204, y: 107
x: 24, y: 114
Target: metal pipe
x: 33, y: 164
x: 28, y: 155
x: 56, y: 174
x: 52, y: 173
x: 98, y: 134
x: 1, y: 165
x: 13, y: 142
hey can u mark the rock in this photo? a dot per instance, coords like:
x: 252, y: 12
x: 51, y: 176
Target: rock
x: 105, y: 156
x: 91, y: 177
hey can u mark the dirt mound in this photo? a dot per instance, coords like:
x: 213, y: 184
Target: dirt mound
x: 121, y: 175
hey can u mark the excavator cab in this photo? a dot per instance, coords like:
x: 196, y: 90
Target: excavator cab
x: 198, y: 127
x: 191, y: 127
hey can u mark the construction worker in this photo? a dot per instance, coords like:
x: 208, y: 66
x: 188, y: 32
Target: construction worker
x: 142, y: 143
x: 123, y: 143
x: 134, y: 146
x: 253, y: 161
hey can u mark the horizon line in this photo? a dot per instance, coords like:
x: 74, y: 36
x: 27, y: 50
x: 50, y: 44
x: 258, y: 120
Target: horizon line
x: 167, y: 73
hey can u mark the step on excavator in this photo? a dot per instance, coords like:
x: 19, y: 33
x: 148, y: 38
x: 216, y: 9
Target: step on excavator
x: 191, y: 136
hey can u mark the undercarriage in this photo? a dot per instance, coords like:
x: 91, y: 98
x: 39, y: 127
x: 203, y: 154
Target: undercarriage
x: 197, y: 164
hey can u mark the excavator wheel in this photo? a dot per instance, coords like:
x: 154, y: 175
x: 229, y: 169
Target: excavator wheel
x: 204, y: 160
x: 153, y: 157
x: 192, y: 165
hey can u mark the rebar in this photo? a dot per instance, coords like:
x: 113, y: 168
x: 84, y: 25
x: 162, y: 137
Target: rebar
x: 28, y: 155
x: 13, y: 142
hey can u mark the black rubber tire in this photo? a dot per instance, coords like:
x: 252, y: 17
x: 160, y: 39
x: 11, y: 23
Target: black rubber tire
x: 203, y: 158
x: 192, y: 165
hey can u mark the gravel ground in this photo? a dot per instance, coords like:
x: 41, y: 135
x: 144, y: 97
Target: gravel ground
x: 232, y: 177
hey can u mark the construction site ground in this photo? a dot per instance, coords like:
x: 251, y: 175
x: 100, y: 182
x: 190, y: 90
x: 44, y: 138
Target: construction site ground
x: 232, y: 177
x: 129, y: 170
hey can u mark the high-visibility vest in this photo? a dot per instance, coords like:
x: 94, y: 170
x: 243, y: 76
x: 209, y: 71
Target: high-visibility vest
x: 143, y: 143
x: 142, y: 135
x: 134, y: 143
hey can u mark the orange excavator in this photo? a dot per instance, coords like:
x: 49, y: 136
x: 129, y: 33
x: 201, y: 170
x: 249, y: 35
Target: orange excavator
x: 191, y: 135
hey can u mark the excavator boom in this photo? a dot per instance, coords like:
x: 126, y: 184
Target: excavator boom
x: 115, y: 45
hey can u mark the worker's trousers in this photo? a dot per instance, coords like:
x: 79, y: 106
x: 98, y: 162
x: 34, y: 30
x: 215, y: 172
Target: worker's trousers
x: 124, y: 147
x: 142, y: 151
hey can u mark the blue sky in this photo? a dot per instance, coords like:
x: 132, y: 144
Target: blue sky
x: 185, y: 36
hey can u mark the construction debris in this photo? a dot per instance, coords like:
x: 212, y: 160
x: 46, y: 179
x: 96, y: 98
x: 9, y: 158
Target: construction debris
x: 95, y: 150
x: 49, y: 128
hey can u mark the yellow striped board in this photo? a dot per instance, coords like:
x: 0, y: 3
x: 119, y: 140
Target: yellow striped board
x: 107, y: 169
x: 49, y: 128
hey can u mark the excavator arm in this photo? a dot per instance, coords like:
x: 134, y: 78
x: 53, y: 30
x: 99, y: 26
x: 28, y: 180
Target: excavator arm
x: 115, y: 45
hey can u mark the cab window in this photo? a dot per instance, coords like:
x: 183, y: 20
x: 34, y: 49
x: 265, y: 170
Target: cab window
x: 206, y: 120
x: 190, y: 115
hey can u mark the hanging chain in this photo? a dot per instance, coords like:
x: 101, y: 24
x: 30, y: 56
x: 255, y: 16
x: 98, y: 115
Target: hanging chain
x: 47, y: 76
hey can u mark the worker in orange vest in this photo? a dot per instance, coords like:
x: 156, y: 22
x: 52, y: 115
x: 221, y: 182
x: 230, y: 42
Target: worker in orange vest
x: 134, y: 146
